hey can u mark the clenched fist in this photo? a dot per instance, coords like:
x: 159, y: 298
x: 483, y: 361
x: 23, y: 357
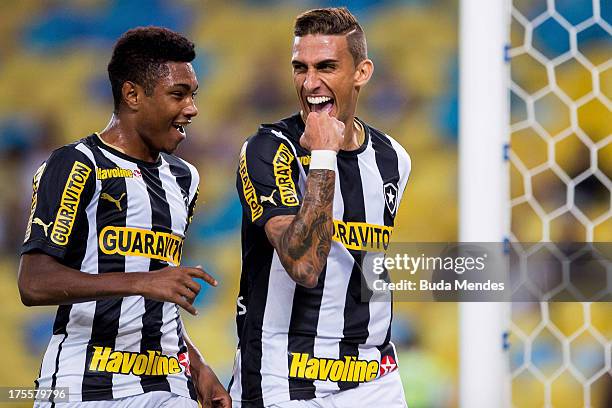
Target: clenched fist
x: 322, y: 132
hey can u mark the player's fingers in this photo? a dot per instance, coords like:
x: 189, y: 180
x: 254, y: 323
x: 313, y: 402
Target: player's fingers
x: 200, y: 273
x: 222, y: 402
x: 304, y: 142
x: 189, y: 308
x: 187, y: 294
x: 195, y: 272
x: 193, y: 286
x: 312, y: 116
x: 186, y: 305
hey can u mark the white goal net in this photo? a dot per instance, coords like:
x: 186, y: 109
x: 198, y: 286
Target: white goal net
x: 560, y: 157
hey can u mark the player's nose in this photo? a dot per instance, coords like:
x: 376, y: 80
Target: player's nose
x: 190, y: 110
x: 312, y: 80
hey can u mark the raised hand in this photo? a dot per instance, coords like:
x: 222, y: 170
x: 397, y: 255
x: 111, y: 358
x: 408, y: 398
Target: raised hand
x: 322, y: 132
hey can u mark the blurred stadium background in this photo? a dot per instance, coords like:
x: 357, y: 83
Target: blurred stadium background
x: 54, y: 89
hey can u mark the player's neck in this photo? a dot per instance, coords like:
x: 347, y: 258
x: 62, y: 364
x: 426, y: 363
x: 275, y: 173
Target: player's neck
x: 121, y: 136
x: 354, y: 135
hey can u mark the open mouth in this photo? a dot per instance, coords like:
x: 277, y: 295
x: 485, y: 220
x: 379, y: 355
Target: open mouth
x: 320, y: 103
x: 180, y: 127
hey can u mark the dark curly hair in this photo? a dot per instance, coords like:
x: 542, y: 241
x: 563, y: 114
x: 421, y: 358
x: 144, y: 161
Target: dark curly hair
x: 334, y: 21
x: 140, y: 55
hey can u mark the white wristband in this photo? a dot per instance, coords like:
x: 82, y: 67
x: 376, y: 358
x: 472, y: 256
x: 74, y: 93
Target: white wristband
x: 323, y: 160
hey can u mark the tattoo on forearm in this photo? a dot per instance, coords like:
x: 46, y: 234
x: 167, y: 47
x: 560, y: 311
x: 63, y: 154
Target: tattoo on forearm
x: 307, y: 240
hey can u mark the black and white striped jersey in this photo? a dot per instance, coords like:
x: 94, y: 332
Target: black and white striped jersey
x: 98, y: 210
x: 300, y: 343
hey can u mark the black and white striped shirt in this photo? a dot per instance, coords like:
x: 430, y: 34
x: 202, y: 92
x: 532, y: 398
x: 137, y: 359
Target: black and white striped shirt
x: 98, y: 210
x: 301, y: 343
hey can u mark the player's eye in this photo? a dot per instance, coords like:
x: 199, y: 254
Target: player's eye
x: 298, y: 68
x: 178, y: 94
x: 194, y: 94
x: 327, y: 67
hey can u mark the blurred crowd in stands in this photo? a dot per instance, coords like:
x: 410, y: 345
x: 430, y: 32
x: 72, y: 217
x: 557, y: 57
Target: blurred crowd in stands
x: 54, y: 88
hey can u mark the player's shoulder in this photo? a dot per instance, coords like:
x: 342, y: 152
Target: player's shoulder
x: 290, y: 127
x: 70, y: 153
x: 380, y: 137
x: 269, y: 136
x: 180, y: 166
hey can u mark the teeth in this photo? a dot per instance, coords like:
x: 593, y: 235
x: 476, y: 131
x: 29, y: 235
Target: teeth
x: 315, y: 100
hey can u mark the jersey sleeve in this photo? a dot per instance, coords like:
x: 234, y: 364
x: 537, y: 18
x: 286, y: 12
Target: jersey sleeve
x: 268, y: 178
x: 194, y: 191
x: 404, y: 166
x: 405, y: 169
x: 62, y: 188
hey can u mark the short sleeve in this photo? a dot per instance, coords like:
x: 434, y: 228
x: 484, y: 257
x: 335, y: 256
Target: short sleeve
x: 193, y: 193
x: 61, y: 190
x: 268, y: 178
x: 404, y: 165
x: 191, y: 207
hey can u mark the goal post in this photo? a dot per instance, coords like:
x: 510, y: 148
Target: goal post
x: 483, y: 191
x: 538, y: 175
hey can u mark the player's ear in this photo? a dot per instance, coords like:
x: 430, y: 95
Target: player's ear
x: 363, y: 72
x: 132, y: 94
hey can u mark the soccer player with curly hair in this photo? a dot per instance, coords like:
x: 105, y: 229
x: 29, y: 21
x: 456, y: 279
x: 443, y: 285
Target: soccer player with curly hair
x: 104, y: 242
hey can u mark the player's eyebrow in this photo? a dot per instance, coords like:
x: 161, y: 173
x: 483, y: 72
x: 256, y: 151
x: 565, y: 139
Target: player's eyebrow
x: 322, y: 63
x: 326, y: 62
x: 186, y: 87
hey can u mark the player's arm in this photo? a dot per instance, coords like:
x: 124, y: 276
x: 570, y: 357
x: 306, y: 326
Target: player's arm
x: 63, y: 188
x: 210, y: 390
x: 44, y: 281
x: 303, y: 241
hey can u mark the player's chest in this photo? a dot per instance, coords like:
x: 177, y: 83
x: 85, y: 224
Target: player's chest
x: 362, y: 191
x: 137, y: 198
